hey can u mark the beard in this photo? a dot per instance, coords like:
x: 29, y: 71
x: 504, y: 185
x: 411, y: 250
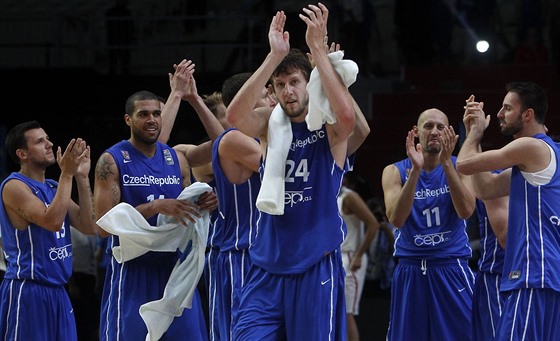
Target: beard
x: 147, y: 139
x: 433, y: 149
x: 514, y: 128
x: 298, y: 111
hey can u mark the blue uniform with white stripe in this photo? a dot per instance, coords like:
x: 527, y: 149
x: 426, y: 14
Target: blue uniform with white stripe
x: 531, y: 274
x: 433, y: 251
x: 238, y: 215
x: 209, y: 273
x: 295, y: 288
x: 34, y: 304
x: 143, y: 279
x: 488, y: 302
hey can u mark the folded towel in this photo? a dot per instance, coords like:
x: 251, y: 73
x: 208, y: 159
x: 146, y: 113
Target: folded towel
x: 271, y: 195
x: 319, y: 111
x: 137, y: 237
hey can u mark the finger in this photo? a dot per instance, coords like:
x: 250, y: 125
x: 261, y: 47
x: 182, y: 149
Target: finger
x: 70, y: 145
x: 325, y: 11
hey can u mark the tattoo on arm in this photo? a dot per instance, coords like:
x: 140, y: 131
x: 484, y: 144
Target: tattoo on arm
x: 103, y: 169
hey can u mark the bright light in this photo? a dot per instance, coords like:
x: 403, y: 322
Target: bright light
x: 482, y: 46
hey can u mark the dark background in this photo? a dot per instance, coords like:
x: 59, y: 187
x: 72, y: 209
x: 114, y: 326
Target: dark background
x: 55, y: 67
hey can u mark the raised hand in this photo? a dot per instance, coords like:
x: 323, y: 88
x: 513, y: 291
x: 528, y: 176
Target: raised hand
x: 85, y: 165
x: 74, y: 154
x: 181, y: 80
x: 333, y: 47
x: 414, y: 151
x: 279, y: 39
x: 474, y: 118
x: 448, y: 140
x: 316, y: 19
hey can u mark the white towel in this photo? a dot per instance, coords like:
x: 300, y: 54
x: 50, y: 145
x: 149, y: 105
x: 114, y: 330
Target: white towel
x: 271, y: 195
x: 319, y: 111
x: 169, y: 235
x: 137, y: 236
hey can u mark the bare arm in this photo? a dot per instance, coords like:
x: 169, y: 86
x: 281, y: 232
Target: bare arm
x: 82, y: 216
x: 399, y: 197
x: 183, y: 87
x: 24, y: 207
x: 361, y: 130
x: 196, y: 155
x: 107, y: 191
x: 461, y: 195
x: 497, y: 211
x: 171, y: 108
x: 240, y: 156
x: 336, y: 92
x: 240, y: 112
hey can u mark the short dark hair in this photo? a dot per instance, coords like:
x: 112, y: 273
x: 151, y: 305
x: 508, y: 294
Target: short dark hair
x: 232, y: 85
x: 142, y: 95
x: 532, y: 96
x: 296, y: 60
x: 16, y: 139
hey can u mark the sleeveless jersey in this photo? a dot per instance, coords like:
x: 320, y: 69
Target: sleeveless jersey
x: 236, y: 204
x: 491, y: 253
x: 143, y: 279
x: 532, y: 257
x: 433, y: 230
x: 35, y: 253
x: 311, y: 226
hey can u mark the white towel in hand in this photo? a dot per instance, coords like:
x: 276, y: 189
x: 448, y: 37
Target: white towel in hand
x: 271, y: 194
x: 137, y: 237
x: 158, y: 315
x: 319, y: 111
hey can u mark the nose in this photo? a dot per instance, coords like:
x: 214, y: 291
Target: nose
x: 288, y: 89
x: 500, y: 113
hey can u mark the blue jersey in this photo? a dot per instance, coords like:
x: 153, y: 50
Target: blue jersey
x: 311, y: 225
x: 237, y: 206
x: 491, y: 253
x: 532, y: 257
x: 487, y: 303
x: 215, y: 220
x: 143, y: 279
x: 38, y: 265
x: 433, y: 230
x: 36, y: 253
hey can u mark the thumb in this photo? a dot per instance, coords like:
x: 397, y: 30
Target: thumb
x: 419, y: 147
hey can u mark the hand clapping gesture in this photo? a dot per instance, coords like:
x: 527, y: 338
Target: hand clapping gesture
x: 76, y: 158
